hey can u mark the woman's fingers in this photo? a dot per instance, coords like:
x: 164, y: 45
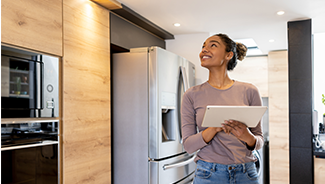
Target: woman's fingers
x: 238, y: 129
x: 227, y: 128
x: 235, y: 127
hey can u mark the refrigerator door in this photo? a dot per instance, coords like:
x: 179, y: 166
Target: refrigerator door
x: 164, y: 79
x: 130, y: 118
x: 178, y: 170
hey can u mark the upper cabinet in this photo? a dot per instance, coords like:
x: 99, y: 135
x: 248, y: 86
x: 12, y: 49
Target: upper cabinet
x: 33, y: 24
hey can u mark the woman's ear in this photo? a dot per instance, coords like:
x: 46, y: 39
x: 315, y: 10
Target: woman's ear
x: 229, y: 55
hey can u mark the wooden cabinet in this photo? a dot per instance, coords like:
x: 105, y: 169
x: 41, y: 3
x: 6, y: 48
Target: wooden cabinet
x: 319, y: 170
x: 83, y: 42
x: 278, y: 116
x: 86, y: 93
x: 32, y: 24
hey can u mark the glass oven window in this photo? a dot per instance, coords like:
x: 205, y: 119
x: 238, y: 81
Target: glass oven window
x: 30, y: 165
x: 19, y: 78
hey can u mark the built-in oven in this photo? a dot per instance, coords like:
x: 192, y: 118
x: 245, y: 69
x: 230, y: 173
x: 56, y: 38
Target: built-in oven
x: 29, y: 84
x: 30, y: 151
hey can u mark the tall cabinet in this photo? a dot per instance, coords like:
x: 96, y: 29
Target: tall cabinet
x: 78, y: 32
x: 86, y: 93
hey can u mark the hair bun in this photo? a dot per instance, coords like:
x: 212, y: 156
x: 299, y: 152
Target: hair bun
x: 241, y: 51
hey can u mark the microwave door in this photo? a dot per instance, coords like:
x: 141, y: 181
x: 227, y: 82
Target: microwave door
x: 29, y: 84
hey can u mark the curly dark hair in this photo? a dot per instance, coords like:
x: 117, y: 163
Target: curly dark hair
x: 238, y: 49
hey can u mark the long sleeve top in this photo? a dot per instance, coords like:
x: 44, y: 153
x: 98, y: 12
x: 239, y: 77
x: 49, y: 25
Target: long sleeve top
x: 223, y: 148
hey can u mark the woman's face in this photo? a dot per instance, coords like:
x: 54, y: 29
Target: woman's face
x: 213, y: 53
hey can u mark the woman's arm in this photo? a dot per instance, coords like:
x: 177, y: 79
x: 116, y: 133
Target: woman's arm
x: 209, y: 133
x: 192, y: 139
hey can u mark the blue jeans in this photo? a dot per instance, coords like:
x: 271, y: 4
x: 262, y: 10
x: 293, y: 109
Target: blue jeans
x: 213, y: 173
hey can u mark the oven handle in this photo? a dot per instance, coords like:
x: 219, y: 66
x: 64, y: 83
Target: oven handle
x: 179, y: 164
x: 39, y: 84
x: 44, y: 143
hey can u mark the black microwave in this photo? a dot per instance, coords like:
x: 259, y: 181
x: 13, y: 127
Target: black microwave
x: 29, y: 84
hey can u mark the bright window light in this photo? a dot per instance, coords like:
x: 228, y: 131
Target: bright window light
x: 252, y: 48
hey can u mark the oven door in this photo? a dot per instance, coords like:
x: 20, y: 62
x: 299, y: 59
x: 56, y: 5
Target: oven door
x: 34, y: 164
x: 21, y: 87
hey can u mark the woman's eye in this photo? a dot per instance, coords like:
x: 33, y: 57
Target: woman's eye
x: 213, y: 45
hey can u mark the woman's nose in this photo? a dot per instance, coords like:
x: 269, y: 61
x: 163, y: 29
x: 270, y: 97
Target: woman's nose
x: 204, y: 50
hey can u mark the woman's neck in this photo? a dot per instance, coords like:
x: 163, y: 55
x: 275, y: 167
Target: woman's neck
x: 219, y: 79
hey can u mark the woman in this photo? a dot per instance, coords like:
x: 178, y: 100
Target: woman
x: 224, y: 153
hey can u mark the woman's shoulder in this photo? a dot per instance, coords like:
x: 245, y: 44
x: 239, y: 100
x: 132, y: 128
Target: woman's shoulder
x: 252, y: 93
x: 197, y: 88
x: 248, y: 88
x: 246, y: 85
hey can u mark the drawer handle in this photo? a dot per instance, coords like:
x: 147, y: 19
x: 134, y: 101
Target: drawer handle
x: 179, y: 164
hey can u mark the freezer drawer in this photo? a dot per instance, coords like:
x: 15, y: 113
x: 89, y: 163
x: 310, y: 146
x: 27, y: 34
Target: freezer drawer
x: 179, y: 169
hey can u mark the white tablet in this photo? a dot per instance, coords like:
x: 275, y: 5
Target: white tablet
x: 216, y: 115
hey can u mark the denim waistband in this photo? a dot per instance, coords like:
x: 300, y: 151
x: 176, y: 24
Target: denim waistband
x: 231, y: 167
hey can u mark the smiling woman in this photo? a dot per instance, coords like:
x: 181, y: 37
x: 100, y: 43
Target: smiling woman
x: 234, y: 50
x: 224, y: 154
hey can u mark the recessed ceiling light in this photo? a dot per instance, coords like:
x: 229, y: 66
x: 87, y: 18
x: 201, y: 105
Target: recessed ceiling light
x: 280, y: 12
x: 271, y: 40
x: 177, y: 24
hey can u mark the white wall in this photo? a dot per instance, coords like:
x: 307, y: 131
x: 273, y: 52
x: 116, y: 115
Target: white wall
x: 319, y: 74
x: 189, y: 46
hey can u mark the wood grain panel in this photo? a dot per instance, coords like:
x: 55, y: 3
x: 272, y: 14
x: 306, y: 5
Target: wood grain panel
x: 253, y: 70
x: 86, y: 93
x: 278, y: 117
x: 319, y: 170
x: 33, y: 24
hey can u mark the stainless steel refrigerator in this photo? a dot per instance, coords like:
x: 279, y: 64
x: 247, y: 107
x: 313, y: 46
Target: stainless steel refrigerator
x: 147, y: 88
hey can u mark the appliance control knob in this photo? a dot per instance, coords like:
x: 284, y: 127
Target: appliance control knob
x: 49, y: 88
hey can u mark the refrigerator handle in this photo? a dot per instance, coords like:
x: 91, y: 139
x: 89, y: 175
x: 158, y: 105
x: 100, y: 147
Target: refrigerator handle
x: 184, y: 76
x: 182, y: 73
x: 179, y: 164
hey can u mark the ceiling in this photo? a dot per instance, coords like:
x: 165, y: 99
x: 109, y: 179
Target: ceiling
x: 240, y: 19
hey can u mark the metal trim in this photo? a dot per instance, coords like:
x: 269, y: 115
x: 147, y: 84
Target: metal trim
x: 28, y: 120
x: 44, y: 143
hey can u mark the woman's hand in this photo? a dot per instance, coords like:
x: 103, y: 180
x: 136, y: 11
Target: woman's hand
x: 210, y: 132
x: 241, y: 131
